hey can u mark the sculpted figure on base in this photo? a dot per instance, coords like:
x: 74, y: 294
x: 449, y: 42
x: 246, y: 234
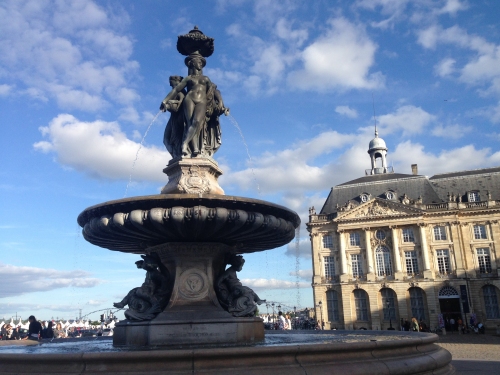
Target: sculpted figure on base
x: 148, y: 300
x: 202, y: 103
x: 235, y: 298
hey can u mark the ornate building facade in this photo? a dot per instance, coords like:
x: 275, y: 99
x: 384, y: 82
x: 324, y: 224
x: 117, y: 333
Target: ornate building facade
x: 391, y: 246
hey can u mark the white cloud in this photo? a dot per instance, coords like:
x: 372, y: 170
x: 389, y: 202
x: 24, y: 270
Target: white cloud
x: 445, y: 67
x: 458, y: 159
x: 5, y: 89
x: 453, y: 6
x: 100, y: 149
x: 22, y: 280
x: 346, y: 111
x: 304, y: 244
x: 481, y: 69
x: 408, y: 118
x: 72, y: 52
x: 451, y: 131
x: 268, y: 284
x: 303, y: 274
x: 287, y: 34
x: 394, y: 9
x: 340, y: 59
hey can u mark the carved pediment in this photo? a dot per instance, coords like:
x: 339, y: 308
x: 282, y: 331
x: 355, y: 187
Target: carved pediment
x: 379, y: 208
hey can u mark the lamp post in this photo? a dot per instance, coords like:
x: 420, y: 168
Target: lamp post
x: 321, y: 312
x: 295, y: 317
x: 272, y: 304
x: 388, y: 303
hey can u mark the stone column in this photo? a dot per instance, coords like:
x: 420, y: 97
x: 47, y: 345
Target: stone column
x: 370, y: 275
x: 398, y: 275
x: 344, y: 276
x: 428, y: 273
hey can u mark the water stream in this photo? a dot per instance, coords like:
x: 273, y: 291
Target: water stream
x: 137, y: 153
x: 297, y: 264
x: 235, y: 123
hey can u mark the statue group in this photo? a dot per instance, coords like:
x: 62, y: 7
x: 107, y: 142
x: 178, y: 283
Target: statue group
x: 194, y: 103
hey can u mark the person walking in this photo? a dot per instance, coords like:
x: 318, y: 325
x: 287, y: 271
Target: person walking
x: 414, y: 325
x: 281, y: 321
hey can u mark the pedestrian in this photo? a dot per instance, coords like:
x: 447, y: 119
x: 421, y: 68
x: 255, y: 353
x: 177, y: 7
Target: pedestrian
x: 281, y: 321
x: 49, y: 331
x: 288, y: 322
x: 414, y: 325
x: 34, y: 330
x: 16, y: 334
x: 452, y: 324
x: 407, y: 325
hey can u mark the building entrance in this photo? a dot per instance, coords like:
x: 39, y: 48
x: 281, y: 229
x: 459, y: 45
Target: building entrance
x: 449, y: 304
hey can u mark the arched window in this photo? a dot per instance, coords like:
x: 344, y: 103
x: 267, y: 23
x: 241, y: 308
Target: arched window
x: 448, y: 292
x: 361, y: 303
x: 491, y: 302
x: 388, y: 303
x: 332, y: 305
x: 417, y: 303
x: 383, y: 256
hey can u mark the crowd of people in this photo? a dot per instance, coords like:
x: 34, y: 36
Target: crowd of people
x: 37, y: 330
x: 286, y: 322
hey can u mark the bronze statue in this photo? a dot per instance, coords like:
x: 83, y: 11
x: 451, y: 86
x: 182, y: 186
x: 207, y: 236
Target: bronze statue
x: 202, y: 104
x: 174, y: 131
x: 235, y: 298
x: 148, y: 300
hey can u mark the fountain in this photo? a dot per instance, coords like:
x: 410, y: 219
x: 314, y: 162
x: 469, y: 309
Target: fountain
x: 192, y: 315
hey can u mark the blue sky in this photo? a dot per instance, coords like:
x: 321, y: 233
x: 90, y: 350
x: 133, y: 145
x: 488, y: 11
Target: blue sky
x: 80, y: 81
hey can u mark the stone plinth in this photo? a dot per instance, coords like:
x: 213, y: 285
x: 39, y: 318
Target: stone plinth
x: 193, y: 176
x: 193, y: 315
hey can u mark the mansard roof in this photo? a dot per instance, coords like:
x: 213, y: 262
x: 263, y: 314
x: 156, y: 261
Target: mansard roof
x: 431, y: 190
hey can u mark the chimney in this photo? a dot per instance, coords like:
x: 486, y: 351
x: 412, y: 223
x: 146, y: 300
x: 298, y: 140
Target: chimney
x: 414, y: 169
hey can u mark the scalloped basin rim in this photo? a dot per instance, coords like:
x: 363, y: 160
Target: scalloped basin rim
x: 146, y: 202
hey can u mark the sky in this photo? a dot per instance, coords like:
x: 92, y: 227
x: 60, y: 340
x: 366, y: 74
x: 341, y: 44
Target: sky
x: 81, y: 82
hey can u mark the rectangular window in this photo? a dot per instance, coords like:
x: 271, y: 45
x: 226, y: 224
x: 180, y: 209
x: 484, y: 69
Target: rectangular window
x: 408, y: 235
x: 484, y: 260
x: 332, y: 304
x: 439, y: 233
x: 327, y: 242
x: 473, y: 196
x: 411, y: 262
x: 417, y: 303
x: 329, y: 268
x: 443, y: 260
x: 480, y: 232
x: 357, y: 269
x: 354, y: 239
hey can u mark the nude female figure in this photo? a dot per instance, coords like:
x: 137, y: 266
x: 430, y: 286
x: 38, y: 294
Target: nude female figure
x: 195, y: 103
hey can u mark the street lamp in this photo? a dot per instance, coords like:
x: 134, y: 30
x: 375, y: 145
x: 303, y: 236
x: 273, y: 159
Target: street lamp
x: 295, y: 317
x: 272, y: 304
x: 320, y: 305
x: 388, y: 303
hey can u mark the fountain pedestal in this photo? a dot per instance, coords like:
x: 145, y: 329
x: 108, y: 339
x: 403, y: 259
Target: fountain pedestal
x: 193, y: 315
x: 193, y: 176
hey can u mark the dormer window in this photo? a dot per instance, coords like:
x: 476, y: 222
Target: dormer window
x: 473, y: 196
x: 364, y: 197
x: 390, y: 195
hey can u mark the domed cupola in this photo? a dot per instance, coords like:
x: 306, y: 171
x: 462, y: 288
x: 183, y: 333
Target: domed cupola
x: 377, y: 149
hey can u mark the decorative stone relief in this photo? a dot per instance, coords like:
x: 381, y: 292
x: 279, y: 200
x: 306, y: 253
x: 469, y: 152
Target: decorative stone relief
x: 148, y: 300
x: 235, y: 298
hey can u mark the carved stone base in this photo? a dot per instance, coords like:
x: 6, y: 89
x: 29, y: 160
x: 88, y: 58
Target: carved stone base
x: 193, y: 176
x: 202, y: 331
x: 193, y: 316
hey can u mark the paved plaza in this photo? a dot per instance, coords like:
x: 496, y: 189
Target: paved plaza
x: 473, y: 353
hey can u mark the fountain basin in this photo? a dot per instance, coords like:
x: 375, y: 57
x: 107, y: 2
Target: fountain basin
x: 194, y: 237
x: 135, y: 224
x: 339, y: 352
